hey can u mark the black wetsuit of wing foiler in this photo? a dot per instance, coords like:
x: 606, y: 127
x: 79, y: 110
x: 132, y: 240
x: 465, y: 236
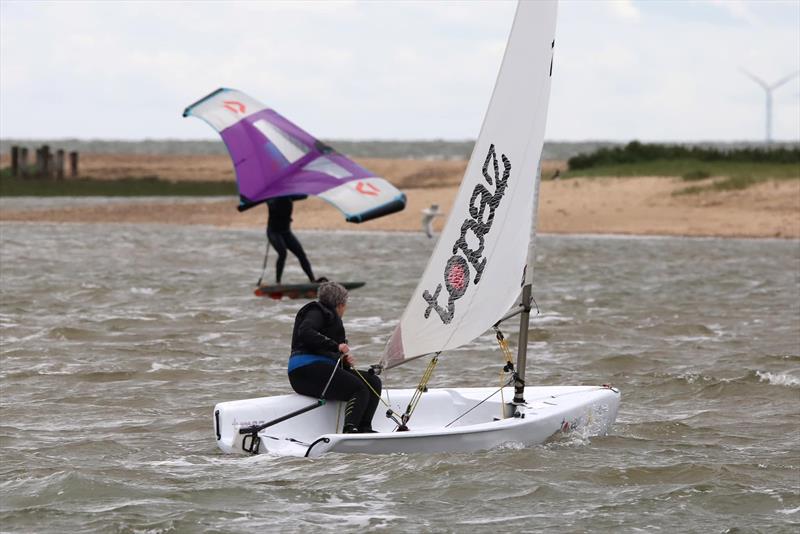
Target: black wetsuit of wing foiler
x: 318, y: 332
x: 280, y: 236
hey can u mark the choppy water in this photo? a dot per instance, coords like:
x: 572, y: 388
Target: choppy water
x: 118, y: 340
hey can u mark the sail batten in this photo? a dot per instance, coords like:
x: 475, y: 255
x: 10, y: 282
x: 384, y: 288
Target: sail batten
x: 479, y: 265
x: 273, y: 157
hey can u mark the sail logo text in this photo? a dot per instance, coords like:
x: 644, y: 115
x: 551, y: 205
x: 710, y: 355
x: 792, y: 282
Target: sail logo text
x: 366, y: 188
x: 234, y: 106
x: 482, y: 206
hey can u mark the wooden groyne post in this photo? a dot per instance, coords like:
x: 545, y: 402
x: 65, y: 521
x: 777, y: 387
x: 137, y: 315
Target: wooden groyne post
x: 47, y: 164
x: 44, y: 160
x: 59, y: 163
x: 73, y: 164
x: 14, y: 161
x: 23, y: 161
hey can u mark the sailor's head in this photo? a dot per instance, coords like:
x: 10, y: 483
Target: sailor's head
x: 333, y: 296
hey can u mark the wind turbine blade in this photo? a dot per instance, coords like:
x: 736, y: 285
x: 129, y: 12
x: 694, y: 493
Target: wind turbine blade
x: 756, y: 79
x: 784, y: 79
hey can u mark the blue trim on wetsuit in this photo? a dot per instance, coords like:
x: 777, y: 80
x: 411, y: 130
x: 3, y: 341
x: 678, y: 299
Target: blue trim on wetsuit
x: 301, y: 360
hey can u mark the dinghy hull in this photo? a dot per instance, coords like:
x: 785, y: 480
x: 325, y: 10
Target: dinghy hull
x: 446, y: 420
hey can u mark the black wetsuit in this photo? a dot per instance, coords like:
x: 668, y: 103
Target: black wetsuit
x: 279, y: 233
x: 318, y: 331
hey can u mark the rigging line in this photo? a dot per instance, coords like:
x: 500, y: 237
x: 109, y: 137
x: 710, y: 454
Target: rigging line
x: 421, y: 388
x: 502, y: 397
x: 538, y: 312
x: 507, y: 368
x: 567, y: 393
x: 508, y: 383
x: 338, y: 418
x: 503, y: 342
x: 390, y: 412
x: 415, y: 398
x: 380, y: 398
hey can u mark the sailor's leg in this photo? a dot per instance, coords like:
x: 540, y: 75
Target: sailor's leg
x: 345, y: 386
x: 297, y: 249
x: 372, y: 403
x: 277, y: 242
x: 311, y: 380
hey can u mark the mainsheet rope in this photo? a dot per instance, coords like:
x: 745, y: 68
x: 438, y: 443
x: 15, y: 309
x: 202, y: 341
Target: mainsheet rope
x: 412, y: 404
x: 426, y: 376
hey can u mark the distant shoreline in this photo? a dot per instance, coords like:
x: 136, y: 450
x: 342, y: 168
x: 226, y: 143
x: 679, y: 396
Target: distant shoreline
x: 423, y: 149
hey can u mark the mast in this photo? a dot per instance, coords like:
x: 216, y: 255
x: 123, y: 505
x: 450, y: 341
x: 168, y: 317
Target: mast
x: 525, y: 304
x: 522, y: 350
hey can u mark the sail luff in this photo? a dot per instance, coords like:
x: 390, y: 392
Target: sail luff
x: 478, y: 267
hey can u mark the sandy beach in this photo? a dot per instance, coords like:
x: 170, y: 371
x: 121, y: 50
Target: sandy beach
x: 635, y: 206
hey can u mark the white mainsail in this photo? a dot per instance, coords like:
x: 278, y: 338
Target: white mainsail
x: 476, y: 271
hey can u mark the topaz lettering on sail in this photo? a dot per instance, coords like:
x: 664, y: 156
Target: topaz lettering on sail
x: 482, y: 206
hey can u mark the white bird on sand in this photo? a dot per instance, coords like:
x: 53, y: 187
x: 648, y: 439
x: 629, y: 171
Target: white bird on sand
x: 428, y: 214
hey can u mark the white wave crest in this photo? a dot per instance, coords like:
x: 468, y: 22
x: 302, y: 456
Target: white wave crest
x: 143, y: 290
x: 779, y: 379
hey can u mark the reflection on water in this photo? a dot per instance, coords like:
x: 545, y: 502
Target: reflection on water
x: 117, y: 340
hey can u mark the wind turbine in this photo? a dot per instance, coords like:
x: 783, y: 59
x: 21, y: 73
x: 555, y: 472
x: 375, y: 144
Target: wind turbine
x: 768, y: 89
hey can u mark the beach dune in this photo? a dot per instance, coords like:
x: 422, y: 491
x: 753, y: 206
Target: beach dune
x: 645, y: 205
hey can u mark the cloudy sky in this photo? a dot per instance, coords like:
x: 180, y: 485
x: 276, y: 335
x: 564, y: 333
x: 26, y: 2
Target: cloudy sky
x: 628, y: 69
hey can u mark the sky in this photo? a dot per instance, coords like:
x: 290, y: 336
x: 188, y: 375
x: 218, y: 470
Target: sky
x: 629, y: 69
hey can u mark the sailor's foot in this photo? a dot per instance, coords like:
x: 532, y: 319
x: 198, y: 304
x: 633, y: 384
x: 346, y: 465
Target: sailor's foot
x: 350, y: 429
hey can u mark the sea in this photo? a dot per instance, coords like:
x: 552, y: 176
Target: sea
x: 118, y: 340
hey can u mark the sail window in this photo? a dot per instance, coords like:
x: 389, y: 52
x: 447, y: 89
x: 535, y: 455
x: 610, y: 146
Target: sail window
x: 290, y: 148
x: 326, y: 166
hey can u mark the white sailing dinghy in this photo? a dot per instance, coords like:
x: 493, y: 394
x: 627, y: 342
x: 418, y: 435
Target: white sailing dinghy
x: 481, y: 268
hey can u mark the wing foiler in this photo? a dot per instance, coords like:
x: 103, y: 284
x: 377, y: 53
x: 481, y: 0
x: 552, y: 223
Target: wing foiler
x: 274, y: 158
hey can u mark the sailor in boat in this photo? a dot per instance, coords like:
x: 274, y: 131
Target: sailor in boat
x: 320, y: 354
x: 280, y: 236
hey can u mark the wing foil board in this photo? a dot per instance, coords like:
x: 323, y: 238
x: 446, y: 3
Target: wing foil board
x: 297, y: 291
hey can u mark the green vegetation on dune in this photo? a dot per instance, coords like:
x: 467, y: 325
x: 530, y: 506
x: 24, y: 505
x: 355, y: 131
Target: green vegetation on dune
x: 743, y: 165
x: 636, y: 152
x: 691, y: 169
x: 695, y: 176
x: 732, y: 183
x: 130, y: 187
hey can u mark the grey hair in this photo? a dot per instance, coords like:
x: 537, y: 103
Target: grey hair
x: 332, y: 294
